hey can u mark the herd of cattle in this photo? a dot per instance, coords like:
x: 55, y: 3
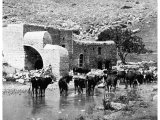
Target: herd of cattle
x: 85, y: 78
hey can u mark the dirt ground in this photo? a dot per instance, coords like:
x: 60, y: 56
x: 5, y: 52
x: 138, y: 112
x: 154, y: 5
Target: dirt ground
x: 141, y: 103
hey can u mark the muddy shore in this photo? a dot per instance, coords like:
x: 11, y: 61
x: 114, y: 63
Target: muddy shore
x: 145, y: 107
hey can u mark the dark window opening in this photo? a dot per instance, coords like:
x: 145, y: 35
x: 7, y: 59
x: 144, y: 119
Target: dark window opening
x: 100, y: 65
x: 81, y: 60
x: 99, y: 50
x: 108, y: 65
x: 63, y: 46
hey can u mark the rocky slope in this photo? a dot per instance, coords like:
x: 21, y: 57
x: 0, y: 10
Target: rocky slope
x: 90, y: 16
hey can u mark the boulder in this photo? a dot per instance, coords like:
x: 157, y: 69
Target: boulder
x: 131, y: 103
x: 20, y: 81
x: 117, y: 106
x: 100, y: 108
x: 136, y: 30
x: 3, y: 79
x: 126, y: 7
x: 154, y: 88
x: 154, y: 98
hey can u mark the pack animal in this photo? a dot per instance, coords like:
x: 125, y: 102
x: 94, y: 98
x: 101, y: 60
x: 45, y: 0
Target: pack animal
x: 131, y: 78
x: 63, y: 84
x: 39, y: 85
x: 92, y: 81
x: 110, y: 80
x: 121, y: 76
x: 79, y: 84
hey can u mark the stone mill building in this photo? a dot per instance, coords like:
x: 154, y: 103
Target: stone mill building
x: 30, y: 47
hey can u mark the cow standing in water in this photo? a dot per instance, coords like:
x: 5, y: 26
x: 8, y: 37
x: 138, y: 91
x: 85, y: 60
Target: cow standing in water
x: 110, y: 80
x: 79, y: 84
x: 63, y: 84
x: 91, y: 82
x: 133, y: 78
x: 39, y: 85
x: 121, y: 76
x: 43, y: 83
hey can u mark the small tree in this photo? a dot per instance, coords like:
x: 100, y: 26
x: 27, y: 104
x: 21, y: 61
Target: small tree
x: 126, y: 41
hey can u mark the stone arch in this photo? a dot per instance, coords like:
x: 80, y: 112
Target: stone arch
x: 33, y: 59
x: 37, y: 39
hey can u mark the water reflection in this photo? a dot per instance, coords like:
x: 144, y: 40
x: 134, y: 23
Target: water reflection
x: 36, y: 104
x: 50, y: 106
x: 63, y: 102
x: 79, y: 101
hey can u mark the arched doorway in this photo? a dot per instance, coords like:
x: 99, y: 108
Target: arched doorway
x: 38, y: 64
x: 33, y: 59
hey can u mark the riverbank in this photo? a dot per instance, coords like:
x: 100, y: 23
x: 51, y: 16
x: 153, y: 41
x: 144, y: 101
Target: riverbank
x: 10, y: 88
x: 142, y: 108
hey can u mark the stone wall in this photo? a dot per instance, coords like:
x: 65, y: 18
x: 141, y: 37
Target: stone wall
x: 37, y: 39
x: 13, y: 45
x: 57, y: 56
x: 55, y: 33
x: 14, y: 39
x: 91, y: 56
x: 66, y: 41
x: 52, y: 58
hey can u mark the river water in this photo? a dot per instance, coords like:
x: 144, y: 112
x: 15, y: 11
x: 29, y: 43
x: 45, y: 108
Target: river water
x: 51, y: 107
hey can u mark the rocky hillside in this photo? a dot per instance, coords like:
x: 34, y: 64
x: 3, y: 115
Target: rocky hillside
x: 90, y: 16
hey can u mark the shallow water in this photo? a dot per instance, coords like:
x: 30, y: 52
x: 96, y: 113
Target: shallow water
x: 50, y: 107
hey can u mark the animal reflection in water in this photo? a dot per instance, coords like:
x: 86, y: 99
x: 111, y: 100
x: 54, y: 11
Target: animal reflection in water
x: 38, y: 104
x: 63, y: 102
x: 77, y: 102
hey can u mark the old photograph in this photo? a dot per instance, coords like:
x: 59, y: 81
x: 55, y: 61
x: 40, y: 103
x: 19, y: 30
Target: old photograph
x: 79, y: 59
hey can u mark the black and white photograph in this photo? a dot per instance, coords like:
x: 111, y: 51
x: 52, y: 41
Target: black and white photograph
x: 79, y: 60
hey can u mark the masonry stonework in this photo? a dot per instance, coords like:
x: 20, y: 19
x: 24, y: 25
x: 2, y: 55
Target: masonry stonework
x: 12, y: 45
x: 24, y: 47
x: 91, y: 58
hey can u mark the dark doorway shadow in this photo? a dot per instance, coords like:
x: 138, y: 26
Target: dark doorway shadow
x: 39, y: 64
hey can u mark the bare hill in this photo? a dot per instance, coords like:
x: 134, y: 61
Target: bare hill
x: 88, y: 14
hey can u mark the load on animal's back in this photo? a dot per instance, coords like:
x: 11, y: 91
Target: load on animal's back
x: 81, y: 70
x: 93, y: 78
x: 47, y: 72
x: 88, y: 81
x: 41, y: 79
